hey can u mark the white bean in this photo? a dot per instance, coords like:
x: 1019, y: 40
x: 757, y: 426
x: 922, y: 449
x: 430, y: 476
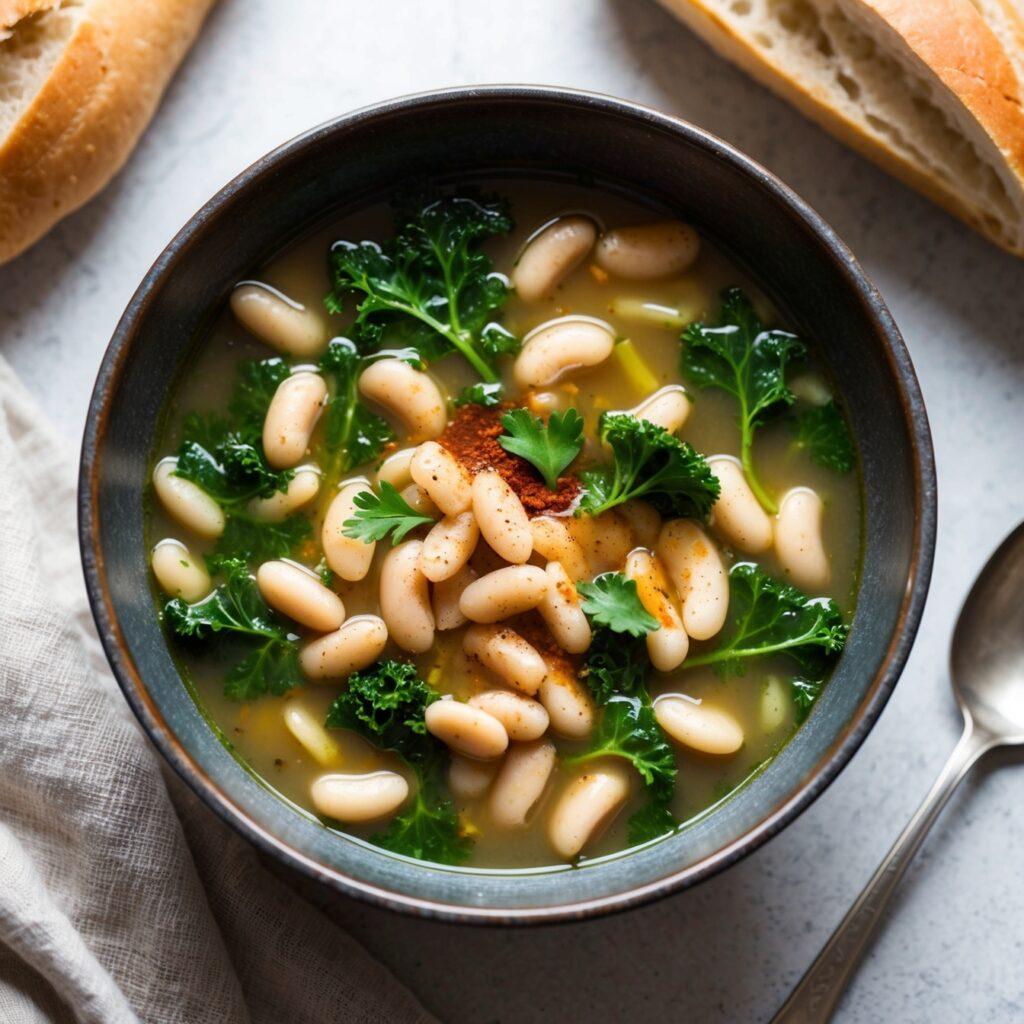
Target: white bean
x: 522, y: 717
x: 695, y: 725
x: 648, y: 251
x: 186, y: 501
x: 468, y: 730
x: 553, y: 539
x: 178, y: 572
x: 349, y: 557
x: 502, y: 519
x: 469, y: 779
x: 301, y: 490
x: 775, y: 704
x: 355, y: 798
x: 510, y: 657
x: 738, y: 515
x: 297, y: 592
x: 696, y: 570
x: 449, y: 546
x: 280, y: 322
x: 643, y: 520
x: 606, y: 540
x: 408, y: 394
x: 668, y: 408
x: 560, y: 346
x: 504, y: 593
x: 567, y: 702
x: 358, y: 643
x: 521, y: 783
x: 589, y: 803
x: 396, y: 469
x: 308, y: 729
x: 666, y: 646
x: 419, y: 501
x: 446, y: 597
x: 443, y: 477
x: 294, y: 410
x: 798, y: 541
x: 551, y: 255
x: 405, y: 598
x: 561, y: 610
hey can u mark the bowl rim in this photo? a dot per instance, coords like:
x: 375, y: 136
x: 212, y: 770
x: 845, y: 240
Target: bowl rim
x: 815, y: 781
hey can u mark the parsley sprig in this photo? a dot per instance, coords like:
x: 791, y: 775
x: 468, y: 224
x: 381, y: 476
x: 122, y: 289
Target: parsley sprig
x: 611, y: 600
x: 377, y: 515
x: 549, y: 447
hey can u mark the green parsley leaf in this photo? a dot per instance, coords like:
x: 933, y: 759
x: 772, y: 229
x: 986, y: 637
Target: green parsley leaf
x: 649, y: 463
x: 821, y: 431
x: 431, y: 286
x: 612, y: 601
x: 616, y: 663
x: 377, y: 515
x: 487, y: 395
x: 253, y: 540
x: 742, y: 358
x: 549, y: 447
x: 652, y: 821
x: 804, y: 693
x: 255, y: 385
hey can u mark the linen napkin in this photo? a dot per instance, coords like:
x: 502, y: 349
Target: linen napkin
x: 112, y: 909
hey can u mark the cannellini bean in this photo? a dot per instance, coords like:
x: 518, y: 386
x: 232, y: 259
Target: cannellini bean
x: 280, y: 322
x: 668, y: 644
x: 589, y: 803
x: 668, y: 408
x: 606, y: 540
x: 354, y: 798
x: 559, y: 346
x: 696, y: 570
x: 307, y: 728
x: 186, y: 501
x: 522, y: 717
x: 301, y: 490
x: 408, y: 394
x: 349, y: 557
x: 405, y: 598
x: 468, y: 779
x: 561, y: 610
x: 775, y: 704
x: 442, y: 476
x: 504, y: 593
x: 695, y: 725
x: 358, y: 643
x: 448, y: 546
x: 502, y: 519
x: 178, y: 572
x: 553, y: 539
x: 648, y: 251
x: 644, y: 521
x: 551, y: 255
x: 521, y: 782
x: 468, y: 730
x: 396, y: 469
x: 297, y: 592
x: 510, y: 657
x: 294, y: 410
x: 738, y: 515
x: 446, y: 597
x: 798, y: 542
x: 567, y: 702
x: 419, y: 501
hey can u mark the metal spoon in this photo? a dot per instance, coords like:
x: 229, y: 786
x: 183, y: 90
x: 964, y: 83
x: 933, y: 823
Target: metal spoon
x: 987, y: 665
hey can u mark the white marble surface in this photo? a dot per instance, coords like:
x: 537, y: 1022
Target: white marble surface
x: 729, y: 950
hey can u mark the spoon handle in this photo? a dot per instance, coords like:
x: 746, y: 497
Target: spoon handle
x: 815, y: 997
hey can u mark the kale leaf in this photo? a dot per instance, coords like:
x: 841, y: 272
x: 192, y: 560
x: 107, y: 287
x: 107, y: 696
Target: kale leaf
x: 377, y: 515
x: 649, y: 463
x: 652, y: 821
x: 822, y: 432
x: 255, y: 385
x: 616, y: 664
x: 254, y: 540
x: 742, y: 358
x: 549, y: 447
x: 429, y: 830
x: 431, y: 286
x: 611, y: 601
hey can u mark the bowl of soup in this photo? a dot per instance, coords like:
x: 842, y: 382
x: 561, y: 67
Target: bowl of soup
x: 507, y: 504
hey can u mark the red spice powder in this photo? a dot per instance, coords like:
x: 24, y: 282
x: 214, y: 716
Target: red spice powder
x: 472, y: 437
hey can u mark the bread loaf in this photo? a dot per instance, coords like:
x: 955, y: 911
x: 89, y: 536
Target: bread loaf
x: 79, y: 81
x: 930, y: 90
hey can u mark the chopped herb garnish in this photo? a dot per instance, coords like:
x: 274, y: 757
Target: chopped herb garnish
x: 548, y: 447
x: 377, y: 515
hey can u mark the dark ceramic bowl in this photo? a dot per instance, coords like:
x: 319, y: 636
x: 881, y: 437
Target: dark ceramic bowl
x: 458, y: 134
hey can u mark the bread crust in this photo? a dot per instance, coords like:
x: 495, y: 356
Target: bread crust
x: 81, y: 126
x: 947, y: 38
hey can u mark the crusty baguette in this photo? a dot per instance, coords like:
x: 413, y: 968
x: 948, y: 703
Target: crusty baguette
x: 79, y: 81
x: 928, y: 89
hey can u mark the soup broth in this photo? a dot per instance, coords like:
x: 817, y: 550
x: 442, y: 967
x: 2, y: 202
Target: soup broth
x: 759, y: 700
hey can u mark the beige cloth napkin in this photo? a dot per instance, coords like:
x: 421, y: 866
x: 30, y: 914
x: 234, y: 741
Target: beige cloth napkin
x: 112, y: 910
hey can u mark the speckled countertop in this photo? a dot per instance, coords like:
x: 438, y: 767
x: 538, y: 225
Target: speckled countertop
x: 730, y: 949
